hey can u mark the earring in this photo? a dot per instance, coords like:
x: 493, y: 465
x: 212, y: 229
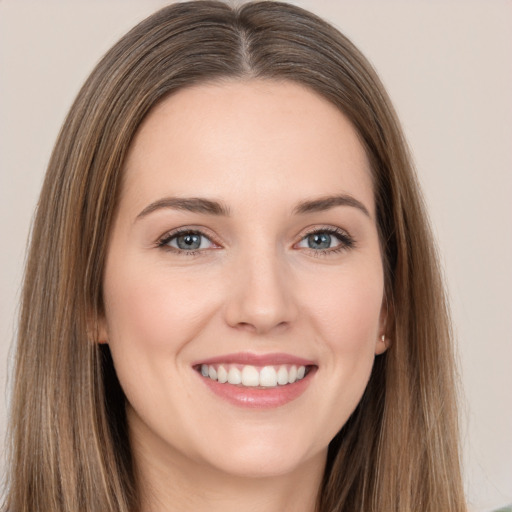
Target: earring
x: 383, y: 338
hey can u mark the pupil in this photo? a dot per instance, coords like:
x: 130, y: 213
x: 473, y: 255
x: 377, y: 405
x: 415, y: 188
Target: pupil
x: 319, y: 241
x: 188, y: 242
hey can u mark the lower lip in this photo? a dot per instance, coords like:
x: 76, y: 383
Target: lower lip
x: 259, y: 398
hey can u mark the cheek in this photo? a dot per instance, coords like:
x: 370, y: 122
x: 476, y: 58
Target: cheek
x: 152, y: 316
x: 346, y: 320
x: 156, y: 311
x: 347, y: 312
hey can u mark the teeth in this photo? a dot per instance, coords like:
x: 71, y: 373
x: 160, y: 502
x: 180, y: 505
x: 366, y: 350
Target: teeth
x: 268, y: 377
x: 222, y: 375
x: 251, y: 376
x: 234, y: 376
x: 282, y: 376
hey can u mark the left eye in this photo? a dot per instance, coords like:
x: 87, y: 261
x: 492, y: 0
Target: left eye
x: 323, y: 240
x: 188, y: 241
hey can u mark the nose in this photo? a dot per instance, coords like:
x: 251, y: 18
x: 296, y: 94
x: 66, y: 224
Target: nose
x: 260, y: 293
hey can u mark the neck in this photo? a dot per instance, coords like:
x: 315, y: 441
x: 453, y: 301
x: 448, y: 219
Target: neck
x: 172, y: 482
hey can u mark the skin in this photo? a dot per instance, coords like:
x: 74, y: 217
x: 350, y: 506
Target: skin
x: 255, y: 285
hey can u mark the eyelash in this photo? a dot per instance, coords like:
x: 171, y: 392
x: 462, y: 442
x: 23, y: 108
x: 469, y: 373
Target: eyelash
x: 164, y: 241
x: 346, y: 241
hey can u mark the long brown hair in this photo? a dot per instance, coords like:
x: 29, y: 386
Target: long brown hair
x: 69, y: 446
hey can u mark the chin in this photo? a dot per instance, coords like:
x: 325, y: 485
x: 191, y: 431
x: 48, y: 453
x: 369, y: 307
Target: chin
x: 265, y: 456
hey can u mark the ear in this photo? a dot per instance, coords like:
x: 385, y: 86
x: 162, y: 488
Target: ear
x: 382, y: 345
x: 102, y: 333
x: 384, y: 341
x: 97, y: 328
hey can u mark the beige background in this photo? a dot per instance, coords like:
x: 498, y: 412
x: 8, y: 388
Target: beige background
x: 447, y: 66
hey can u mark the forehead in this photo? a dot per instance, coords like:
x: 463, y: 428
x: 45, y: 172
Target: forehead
x: 257, y: 137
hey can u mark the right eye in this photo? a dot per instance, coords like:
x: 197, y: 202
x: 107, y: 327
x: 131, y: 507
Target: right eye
x: 187, y: 242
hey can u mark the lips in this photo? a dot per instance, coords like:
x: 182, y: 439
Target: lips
x: 257, y: 359
x: 257, y: 381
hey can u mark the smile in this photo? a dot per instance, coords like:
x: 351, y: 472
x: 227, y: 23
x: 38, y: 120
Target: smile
x: 257, y: 381
x: 253, y: 376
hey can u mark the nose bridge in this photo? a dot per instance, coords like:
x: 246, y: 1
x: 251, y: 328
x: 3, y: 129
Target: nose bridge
x: 260, y: 289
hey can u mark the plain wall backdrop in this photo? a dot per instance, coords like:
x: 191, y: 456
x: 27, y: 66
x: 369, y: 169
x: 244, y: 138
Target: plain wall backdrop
x: 447, y: 66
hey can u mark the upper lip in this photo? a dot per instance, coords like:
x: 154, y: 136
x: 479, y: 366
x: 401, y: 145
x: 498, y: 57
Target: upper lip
x: 256, y: 359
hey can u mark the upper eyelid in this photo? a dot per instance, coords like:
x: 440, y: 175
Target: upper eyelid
x: 336, y: 230
x: 347, y: 241
x: 163, y: 243
x: 319, y: 229
x: 187, y: 229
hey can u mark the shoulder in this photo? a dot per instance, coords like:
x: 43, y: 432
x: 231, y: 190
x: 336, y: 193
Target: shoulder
x: 506, y: 508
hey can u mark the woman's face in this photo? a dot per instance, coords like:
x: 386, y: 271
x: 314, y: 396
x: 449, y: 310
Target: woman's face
x: 245, y: 248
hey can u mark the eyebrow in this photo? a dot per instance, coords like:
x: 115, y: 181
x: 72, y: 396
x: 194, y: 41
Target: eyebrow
x: 190, y: 204
x: 326, y: 203
x: 211, y: 207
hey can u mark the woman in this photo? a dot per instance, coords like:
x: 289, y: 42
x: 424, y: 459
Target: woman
x: 195, y: 332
